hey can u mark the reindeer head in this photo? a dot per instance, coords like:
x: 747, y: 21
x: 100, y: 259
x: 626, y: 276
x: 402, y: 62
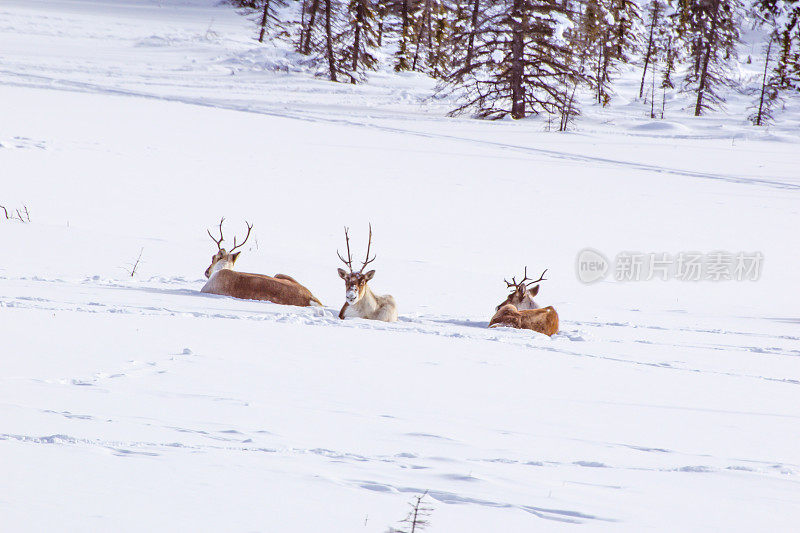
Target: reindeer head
x: 355, y: 282
x: 522, y: 294
x: 225, y: 259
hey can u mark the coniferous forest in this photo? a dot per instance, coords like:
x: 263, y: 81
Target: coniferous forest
x: 529, y: 57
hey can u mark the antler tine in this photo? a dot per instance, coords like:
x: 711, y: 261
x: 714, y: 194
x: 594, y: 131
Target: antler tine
x: 218, y: 242
x: 524, y: 275
x: 514, y: 282
x: 369, y: 244
x: 349, y: 261
x: 235, y: 246
x: 541, y: 278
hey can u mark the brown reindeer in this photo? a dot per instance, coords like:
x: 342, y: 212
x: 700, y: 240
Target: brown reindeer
x: 360, y: 301
x: 522, y: 295
x: 521, y: 312
x: 222, y: 279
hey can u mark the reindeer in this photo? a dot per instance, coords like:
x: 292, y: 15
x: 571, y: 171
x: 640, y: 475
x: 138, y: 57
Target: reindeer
x: 522, y: 295
x: 222, y: 279
x: 360, y: 301
x: 521, y: 312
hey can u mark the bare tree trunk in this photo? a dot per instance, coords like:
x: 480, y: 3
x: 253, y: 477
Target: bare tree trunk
x: 698, y: 108
x: 517, y: 64
x: 306, y: 46
x: 653, y: 95
x: 653, y: 20
x: 472, y: 32
x: 382, y: 15
x: 698, y: 45
x: 703, y: 84
x: 329, y: 40
x: 423, y: 27
x: 600, y: 74
x: 669, y: 65
x: 759, y: 116
x: 357, y: 39
x: 264, y: 16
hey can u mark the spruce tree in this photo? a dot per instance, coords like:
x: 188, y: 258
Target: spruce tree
x: 783, y: 19
x: 713, y: 33
x: 520, y: 62
x: 611, y: 29
x: 655, y: 16
x: 263, y: 12
x: 308, y: 25
x: 358, y: 40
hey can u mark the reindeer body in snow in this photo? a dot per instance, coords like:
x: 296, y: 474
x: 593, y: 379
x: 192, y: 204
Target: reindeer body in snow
x: 521, y: 312
x: 223, y: 280
x: 360, y: 301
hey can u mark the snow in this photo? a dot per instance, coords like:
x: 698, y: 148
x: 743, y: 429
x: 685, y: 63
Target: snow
x: 138, y: 403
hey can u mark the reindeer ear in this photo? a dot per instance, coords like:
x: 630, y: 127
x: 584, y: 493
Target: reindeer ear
x: 234, y: 257
x: 534, y: 291
x: 368, y: 276
x: 341, y: 272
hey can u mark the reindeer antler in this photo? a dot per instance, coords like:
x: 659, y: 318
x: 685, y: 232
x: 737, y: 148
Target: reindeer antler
x: 349, y: 261
x: 235, y: 246
x: 218, y: 242
x: 514, y: 283
x: 369, y: 244
x: 541, y: 278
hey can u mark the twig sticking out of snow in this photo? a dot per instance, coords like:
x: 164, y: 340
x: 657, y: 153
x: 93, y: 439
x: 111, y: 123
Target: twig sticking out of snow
x: 23, y: 216
x: 417, y: 518
x: 136, y: 264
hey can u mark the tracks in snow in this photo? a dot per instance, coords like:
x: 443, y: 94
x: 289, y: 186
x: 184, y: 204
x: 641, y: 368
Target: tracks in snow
x: 603, y: 341
x: 49, y: 82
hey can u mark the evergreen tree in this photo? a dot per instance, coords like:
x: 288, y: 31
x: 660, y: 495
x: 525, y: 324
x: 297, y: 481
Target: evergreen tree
x: 403, y: 58
x: 769, y: 93
x: 358, y: 41
x: 713, y: 33
x: 381, y: 12
x: 655, y: 16
x: 672, y: 40
x: 465, y: 26
x: 610, y: 33
x: 428, y: 50
x: 264, y: 13
x: 521, y: 61
x: 308, y: 24
x: 782, y: 17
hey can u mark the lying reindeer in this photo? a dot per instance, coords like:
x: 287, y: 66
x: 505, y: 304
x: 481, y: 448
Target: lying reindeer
x: 222, y: 279
x: 521, y: 312
x: 360, y: 301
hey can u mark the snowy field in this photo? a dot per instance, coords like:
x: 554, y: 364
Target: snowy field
x: 138, y: 403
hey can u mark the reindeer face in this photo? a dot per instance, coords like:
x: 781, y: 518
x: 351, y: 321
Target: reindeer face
x: 355, y: 284
x: 221, y: 260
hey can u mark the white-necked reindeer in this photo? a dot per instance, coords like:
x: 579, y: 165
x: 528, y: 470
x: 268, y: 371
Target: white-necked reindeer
x: 520, y: 311
x: 222, y: 279
x: 360, y: 301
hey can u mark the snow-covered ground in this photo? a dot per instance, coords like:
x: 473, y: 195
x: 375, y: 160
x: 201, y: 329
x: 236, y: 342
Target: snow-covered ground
x: 137, y: 403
